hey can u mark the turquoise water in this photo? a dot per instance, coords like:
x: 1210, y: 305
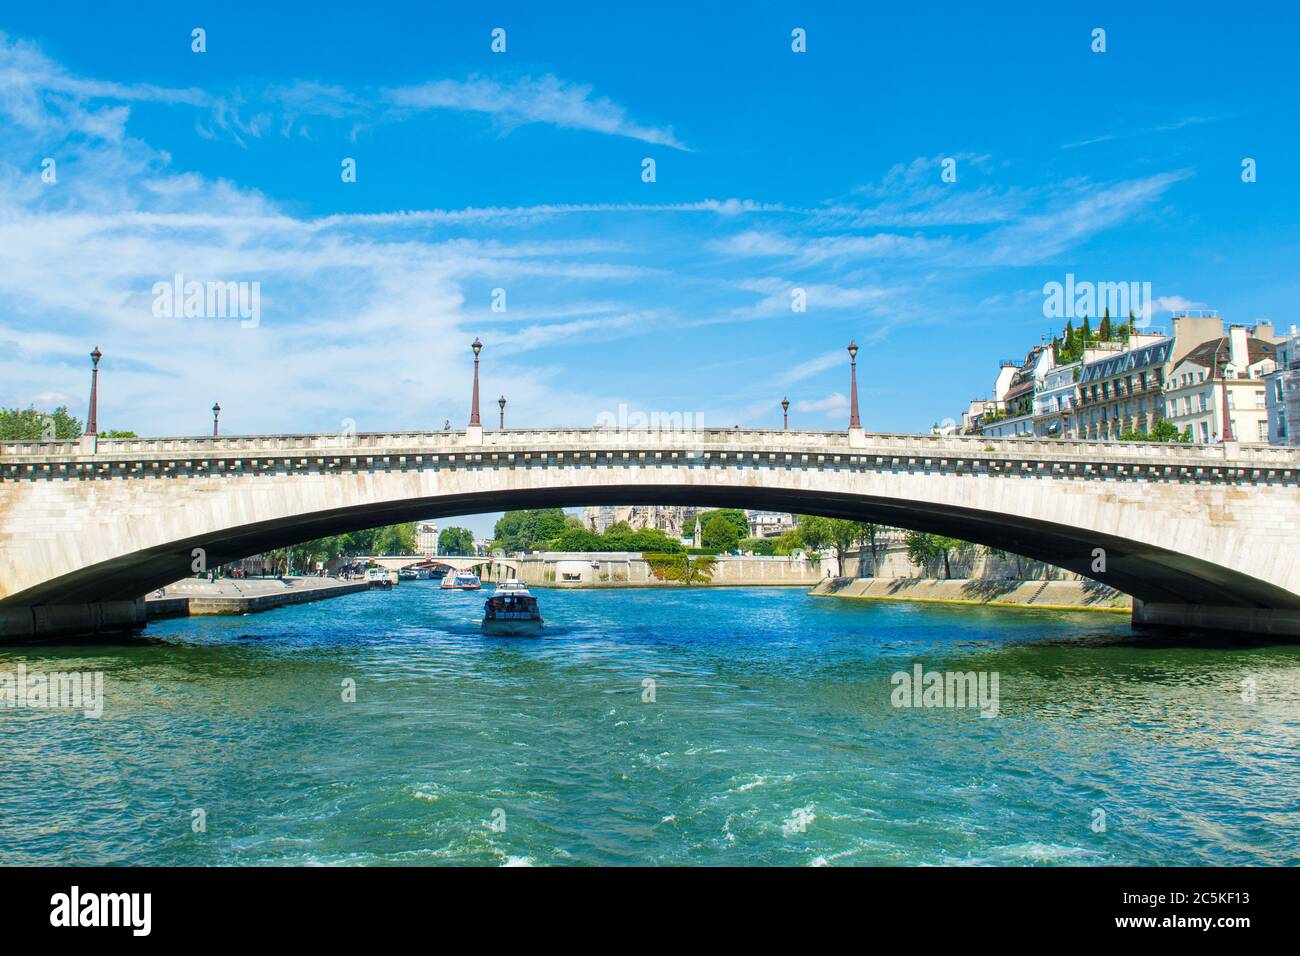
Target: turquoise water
x: 771, y: 739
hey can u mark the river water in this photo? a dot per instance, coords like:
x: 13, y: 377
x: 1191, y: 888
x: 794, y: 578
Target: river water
x: 745, y: 726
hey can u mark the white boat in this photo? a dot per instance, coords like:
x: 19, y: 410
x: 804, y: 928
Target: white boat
x: 512, y: 612
x: 461, y: 581
x: 380, y: 578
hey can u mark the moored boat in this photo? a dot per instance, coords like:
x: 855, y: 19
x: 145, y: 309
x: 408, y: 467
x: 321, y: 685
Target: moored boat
x: 512, y: 611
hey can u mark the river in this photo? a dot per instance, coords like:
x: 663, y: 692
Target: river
x: 711, y: 726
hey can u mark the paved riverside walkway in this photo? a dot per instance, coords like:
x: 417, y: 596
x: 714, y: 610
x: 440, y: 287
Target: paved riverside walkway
x: 1082, y: 595
x: 193, y: 596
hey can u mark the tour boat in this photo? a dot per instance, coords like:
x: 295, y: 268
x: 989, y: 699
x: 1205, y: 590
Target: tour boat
x: 511, y: 612
x: 462, y: 581
x: 379, y: 578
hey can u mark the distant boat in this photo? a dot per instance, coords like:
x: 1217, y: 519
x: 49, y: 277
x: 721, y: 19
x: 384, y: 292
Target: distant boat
x: 512, y: 612
x: 380, y: 578
x: 461, y: 581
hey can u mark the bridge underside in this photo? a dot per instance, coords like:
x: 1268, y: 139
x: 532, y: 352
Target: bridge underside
x: 1157, y: 578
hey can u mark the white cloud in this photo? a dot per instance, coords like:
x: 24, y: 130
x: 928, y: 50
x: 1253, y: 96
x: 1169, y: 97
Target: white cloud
x: 834, y: 405
x: 546, y: 99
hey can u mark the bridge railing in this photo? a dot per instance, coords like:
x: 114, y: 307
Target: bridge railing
x: 648, y: 439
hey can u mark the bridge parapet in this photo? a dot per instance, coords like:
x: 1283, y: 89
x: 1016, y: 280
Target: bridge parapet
x: 601, y: 439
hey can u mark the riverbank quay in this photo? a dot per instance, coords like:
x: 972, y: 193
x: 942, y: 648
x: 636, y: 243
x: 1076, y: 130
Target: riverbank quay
x: 1082, y: 595
x: 194, y: 597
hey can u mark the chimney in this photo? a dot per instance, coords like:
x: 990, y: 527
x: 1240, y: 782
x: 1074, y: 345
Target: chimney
x: 1191, y: 331
x: 1238, y: 351
x: 1264, y: 331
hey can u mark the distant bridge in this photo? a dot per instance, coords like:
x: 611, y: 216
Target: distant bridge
x: 1199, y: 538
x: 395, y: 562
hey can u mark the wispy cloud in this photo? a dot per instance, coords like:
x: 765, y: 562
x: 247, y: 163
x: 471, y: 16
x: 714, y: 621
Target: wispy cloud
x: 30, y: 80
x: 1169, y: 127
x: 546, y: 99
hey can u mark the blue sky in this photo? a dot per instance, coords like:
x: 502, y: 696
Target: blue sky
x: 522, y: 171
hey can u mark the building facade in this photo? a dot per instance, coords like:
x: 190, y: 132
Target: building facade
x: 1234, y: 367
x: 1123, y: 392
x: 1282, y: 393
x: 426, y: 539
x: 1056, y: 401
x: 769, y: 524
x: 673, y: 520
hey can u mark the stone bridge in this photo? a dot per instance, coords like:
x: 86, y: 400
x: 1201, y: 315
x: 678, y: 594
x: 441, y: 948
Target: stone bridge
x: 395, y: 562
x: 1198, y: 536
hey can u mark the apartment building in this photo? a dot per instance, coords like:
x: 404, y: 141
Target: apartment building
x: 1013, y: 413
x: 426, y: 539
x: 1231, y: 368
x: 1282, y: 393
x: 769, y: 524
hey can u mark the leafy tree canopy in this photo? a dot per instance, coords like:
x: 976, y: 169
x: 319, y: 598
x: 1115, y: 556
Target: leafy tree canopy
x: 1162, y: 429
x: 455, y: 540
x: 27, y: 424
x: 530, y: 529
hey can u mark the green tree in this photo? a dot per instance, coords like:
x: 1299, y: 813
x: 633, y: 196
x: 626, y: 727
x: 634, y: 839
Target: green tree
x: 838, y: 534
x: 652, y: 539
x: 789, y: 542
x: 27, y: 424
x: 1162, y: 429
x: 396, y: 539
x: 761, y: 546
x: 923, y: 548
x: 530, y: 529
x: 720, y: 532
x: 577, y: 539
x: 455, y: 540
x: 734, y: 516
x: 682, y: 567
x: 871, y: 538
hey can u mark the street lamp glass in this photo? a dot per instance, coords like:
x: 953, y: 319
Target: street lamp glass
x: 853, y: 350
x: 477, y: 346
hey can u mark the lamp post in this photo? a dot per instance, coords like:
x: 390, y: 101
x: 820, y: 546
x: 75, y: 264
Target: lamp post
x: 474, y: 422
x: 853, y: 386
x: 1226, y: 431
x: 785, y: 414
x: 216, y: 410
x: 92, y: 417
x: 501, y: 403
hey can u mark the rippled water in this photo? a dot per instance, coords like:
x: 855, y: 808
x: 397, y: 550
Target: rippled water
x: 771, y: 739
